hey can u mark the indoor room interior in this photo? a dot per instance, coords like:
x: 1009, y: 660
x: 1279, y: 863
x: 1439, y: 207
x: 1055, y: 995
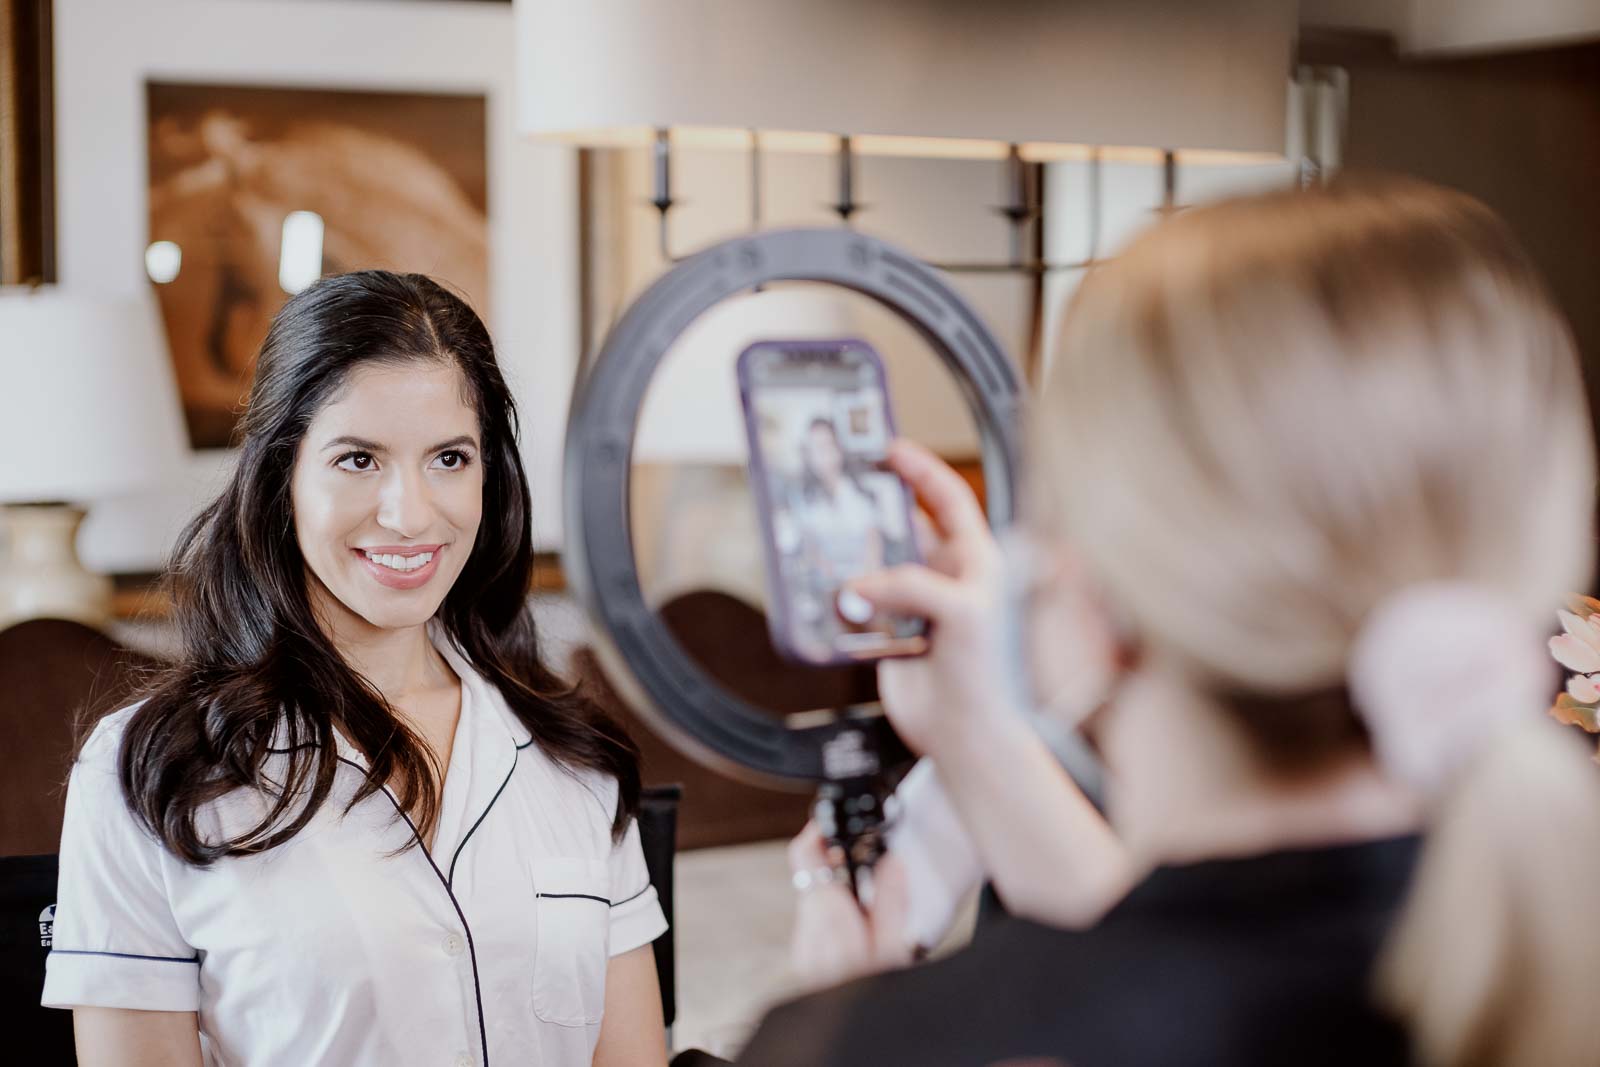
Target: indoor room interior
x: 630, y: 195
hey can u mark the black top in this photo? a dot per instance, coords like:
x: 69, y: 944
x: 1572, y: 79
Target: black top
x: 1266, y: 961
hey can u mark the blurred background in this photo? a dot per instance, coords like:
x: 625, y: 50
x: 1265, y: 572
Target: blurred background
x: 171, y: 170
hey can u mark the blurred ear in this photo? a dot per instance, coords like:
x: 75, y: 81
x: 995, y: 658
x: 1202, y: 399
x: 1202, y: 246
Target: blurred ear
x: 1093, y: 724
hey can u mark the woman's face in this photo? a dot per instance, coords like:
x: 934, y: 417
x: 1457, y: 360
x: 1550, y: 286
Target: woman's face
x: 387, y: 493
x: 823, y: 455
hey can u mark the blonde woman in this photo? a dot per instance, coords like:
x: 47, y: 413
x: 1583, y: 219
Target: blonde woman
x: 1324, y: 458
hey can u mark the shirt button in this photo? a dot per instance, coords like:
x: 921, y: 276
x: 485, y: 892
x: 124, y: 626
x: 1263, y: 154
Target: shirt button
x: 452, y: 947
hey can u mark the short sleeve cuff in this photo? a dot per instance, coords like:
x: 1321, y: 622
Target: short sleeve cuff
x: 76, y: 979
x: 636, y: 920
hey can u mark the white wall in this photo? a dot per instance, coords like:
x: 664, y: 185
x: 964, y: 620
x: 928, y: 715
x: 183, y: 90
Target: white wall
x: 107, y: 49
x: 1129, y: 199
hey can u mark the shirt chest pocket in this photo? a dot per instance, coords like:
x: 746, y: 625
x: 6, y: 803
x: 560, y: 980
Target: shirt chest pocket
x: 573, y: 913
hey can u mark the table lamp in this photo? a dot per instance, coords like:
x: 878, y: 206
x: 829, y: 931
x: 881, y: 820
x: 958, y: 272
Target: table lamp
x: 88, y: 410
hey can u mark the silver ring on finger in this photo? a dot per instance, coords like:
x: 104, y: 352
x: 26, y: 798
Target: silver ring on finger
x: 815, y: 876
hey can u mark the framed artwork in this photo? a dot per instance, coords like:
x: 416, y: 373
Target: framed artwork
x: 27, y: 139
x: 254, y: 192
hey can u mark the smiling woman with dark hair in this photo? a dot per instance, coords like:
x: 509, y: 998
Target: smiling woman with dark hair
x: 359, y: 821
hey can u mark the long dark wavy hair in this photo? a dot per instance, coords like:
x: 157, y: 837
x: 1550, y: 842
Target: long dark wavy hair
x: 252, y: 653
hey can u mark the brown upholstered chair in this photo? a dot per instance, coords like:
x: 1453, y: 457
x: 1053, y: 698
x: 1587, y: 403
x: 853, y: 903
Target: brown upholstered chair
x: 729, y: 639
x: 51, y: 672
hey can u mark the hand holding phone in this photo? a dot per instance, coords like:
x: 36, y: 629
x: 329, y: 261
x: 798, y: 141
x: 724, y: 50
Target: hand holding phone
x: 819, y: 425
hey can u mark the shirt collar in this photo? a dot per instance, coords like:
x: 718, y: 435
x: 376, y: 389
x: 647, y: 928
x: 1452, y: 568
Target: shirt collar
x: 484, y: 695
x: 478, y: 699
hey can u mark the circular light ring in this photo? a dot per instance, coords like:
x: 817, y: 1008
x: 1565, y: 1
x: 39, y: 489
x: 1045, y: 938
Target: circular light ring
x: 642, y: 657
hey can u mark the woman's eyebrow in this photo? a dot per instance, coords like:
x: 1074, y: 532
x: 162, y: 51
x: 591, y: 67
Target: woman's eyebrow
x: 355, y: 442
x: 373, y: 446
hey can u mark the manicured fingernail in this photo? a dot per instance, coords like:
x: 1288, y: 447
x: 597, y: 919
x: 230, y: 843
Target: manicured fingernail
x: 854, y: 607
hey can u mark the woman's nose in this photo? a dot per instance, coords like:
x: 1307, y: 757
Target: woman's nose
x: 406, y: 505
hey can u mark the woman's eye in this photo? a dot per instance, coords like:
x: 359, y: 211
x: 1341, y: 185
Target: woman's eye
x: 454, y: 460
x: 355, y: 461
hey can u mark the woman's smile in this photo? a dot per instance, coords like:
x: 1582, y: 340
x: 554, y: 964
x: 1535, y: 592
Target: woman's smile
x: 401, y: 567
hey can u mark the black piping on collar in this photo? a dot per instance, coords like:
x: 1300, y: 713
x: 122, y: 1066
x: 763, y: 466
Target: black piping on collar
x: 472, y: 951
x: 451, y: 880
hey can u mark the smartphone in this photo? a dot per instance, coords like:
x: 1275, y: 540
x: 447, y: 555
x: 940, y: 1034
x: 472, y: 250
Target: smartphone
x: 819, y: 426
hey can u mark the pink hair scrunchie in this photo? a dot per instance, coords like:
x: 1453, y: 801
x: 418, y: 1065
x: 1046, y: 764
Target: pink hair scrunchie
x: 1438, y: 671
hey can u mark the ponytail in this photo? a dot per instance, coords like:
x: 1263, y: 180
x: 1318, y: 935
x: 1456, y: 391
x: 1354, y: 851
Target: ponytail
x: 1494, y: 963
x: 1490, y: 965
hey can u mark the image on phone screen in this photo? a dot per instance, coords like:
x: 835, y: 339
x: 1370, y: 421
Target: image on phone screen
x: 819, y: 426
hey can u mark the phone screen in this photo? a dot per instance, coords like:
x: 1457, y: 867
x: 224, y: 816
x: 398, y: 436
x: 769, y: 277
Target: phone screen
x: 817, y: 414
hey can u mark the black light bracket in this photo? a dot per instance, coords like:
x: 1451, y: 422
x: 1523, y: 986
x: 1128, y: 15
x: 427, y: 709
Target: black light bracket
x: 1024, y: 208
x: 861, y: 760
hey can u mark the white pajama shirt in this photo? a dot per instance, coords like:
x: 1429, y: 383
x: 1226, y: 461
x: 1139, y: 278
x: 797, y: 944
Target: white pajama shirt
x: 490, y: 949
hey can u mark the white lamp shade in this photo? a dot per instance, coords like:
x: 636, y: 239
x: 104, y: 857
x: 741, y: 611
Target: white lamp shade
x: 922, y: 77
x: 89, y: 409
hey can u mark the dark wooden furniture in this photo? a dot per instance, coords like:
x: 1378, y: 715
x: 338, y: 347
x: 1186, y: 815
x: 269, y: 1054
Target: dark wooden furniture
x: 729, y: 639
x: 54, y: 675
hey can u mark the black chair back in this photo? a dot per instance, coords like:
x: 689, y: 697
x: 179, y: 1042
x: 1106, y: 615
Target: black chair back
x: 29, y: 1033
x: 658, y: 834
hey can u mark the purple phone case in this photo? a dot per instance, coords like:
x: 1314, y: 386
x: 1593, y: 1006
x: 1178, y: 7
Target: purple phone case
x: 780, y: 619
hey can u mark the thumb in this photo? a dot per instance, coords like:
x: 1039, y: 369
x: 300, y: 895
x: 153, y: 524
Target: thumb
x: 909, y: 589
x: 891, y: 906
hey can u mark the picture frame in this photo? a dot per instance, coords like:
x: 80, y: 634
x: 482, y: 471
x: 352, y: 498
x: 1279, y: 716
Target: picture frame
x: 254, y: 191
x: 27, y: 135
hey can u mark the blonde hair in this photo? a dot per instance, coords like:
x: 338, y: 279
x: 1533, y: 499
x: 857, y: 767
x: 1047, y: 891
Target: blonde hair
x: 1271, y: 414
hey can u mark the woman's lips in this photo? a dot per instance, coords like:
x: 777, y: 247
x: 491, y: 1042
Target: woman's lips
x: 402, y: 579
